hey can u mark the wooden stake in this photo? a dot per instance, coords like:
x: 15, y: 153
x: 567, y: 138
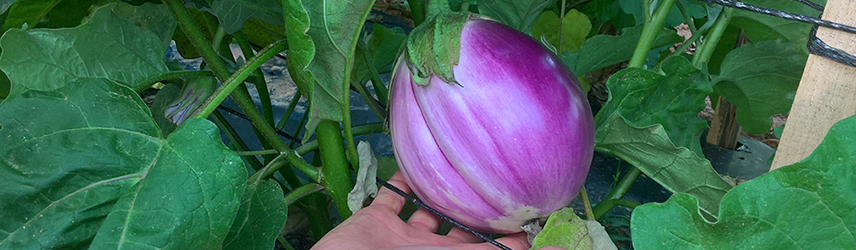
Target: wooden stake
x: 827, y: 91
x: 724, y: 130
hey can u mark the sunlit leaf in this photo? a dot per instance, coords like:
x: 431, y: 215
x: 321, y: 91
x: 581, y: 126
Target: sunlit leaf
x: 574, y: 29
x: 602, y: 50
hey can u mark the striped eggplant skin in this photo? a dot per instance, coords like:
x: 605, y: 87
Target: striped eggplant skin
x: 511, y: 143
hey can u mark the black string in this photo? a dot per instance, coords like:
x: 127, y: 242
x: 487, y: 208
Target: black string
x: 438, y: 214
x: 243, y: 116
x: 815, y: 45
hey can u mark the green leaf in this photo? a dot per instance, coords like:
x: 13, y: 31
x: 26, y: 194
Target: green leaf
x: 761, y: 79
x: 262, y: 34
x: 387, y: 166
x: 564, y: 229
x: 186, y: 198
x: 760, y: 27
x: 322, y: 38
x: 155, y: 18
x: 603, y: 10
x: 807, y: 205
x: 260, y: 218
x: 106, y: 46
x: 69, y: 13
x: 27, y: 12
x: 206, y: 22
x: 68, y: 155
x: 603, y: 50
x: 574, y: 29
x: 518, y: 14
x: 233, y: 13
x: 383, y: 46
x: 650, y: 121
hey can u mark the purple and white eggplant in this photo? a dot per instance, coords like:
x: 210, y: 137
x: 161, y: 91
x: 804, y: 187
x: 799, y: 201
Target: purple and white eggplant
x: 493, y: 134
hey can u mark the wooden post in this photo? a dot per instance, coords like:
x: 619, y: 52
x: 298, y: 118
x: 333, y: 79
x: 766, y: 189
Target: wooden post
x: 827, y: 91
x: 724, y: 130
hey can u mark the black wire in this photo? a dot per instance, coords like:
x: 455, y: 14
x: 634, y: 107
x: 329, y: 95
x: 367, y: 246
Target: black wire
x: 783, y: 15
x: 438, y: 214
x: 811, y: 4
x: 243, y: 116
x: 818, y: 47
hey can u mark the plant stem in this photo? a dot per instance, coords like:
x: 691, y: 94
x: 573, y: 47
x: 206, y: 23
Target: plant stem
x: 259, y: 78
x: 687, y: 18
x: 288, y: 111
x: 618, y: 192
x: 364, y: 93
x: 185, y: 21
x: 284, y: 242
x: 649, y: 33
x: 417, y: 9
x: 236, y: 79
x: 235, y: 138
x: 258, y: 152
x: 586, y: 203
x: 346, y: 127
x: 380, y: 89
x: 599, y: 211
x: 301, y: 192
x: 358, y: 130
x: 337, y: 177
x: 704, y: 51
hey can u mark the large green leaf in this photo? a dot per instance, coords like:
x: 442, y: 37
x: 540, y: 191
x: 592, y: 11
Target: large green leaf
x: 261, y: 217
x: 515, y: 13
x: 650, y: 121
x: 73, y: 155
x: 573, y: 30
x: 262, y: 34
x: 807, y: 205
x: 28, y: 12
x: 233, y: 13
x: 761, y: 79
x: 106, y: 46
x: 186, y: 198
x: 602, y: 50
x: 322, y: 36
x: 760, y: 27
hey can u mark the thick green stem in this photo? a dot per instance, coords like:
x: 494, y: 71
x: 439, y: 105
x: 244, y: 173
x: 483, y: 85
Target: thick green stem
x: 706, y: 49
x: 418, y: 10
x: 346, y: 126
x: 358, y: 130
x: 649, y: 34
x: 603, y: 208
x: 337, y: 175
x: 618, y: 192
x: 586, y: 203
x: 236, y: 79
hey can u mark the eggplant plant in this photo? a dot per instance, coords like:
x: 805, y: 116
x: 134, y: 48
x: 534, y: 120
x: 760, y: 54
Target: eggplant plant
x: 494, y: 109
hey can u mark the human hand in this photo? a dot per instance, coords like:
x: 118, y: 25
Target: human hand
x: 379, y: 227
